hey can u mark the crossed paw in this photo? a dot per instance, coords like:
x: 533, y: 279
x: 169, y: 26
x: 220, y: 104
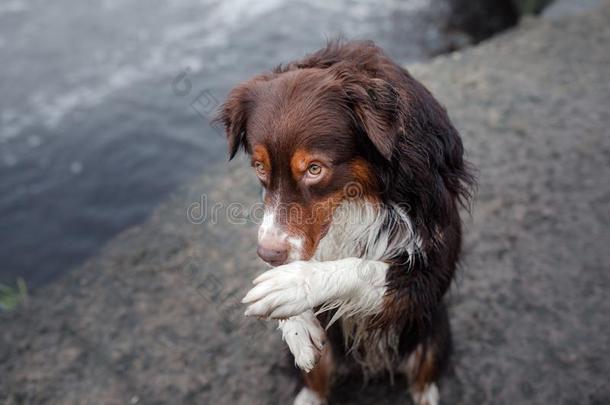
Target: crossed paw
x: 305, y: 338
x: 285, y: 293
x: 281, y: 292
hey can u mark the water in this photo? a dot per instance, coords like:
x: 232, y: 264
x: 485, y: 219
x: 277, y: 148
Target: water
x: 94, y: 135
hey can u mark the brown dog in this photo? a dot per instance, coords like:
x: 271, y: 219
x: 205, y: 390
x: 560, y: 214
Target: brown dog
x: 363, y: 174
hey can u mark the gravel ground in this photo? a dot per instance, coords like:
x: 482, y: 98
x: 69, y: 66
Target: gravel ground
x: 155, y: 317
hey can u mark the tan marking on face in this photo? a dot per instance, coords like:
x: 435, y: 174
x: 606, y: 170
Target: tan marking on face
x: 365, y: 176
x: 313, y: 222
x: 302, y: 159
x: 299, y: 162
x: 260, y: 154
x: 304, y: 224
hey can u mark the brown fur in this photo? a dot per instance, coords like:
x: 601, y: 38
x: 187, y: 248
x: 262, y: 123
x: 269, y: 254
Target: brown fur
x: 319, y: 379
x: 373, y: 126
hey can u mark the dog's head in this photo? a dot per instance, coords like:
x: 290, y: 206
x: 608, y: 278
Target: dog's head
x: 326, y: 129
x: 309, y: 134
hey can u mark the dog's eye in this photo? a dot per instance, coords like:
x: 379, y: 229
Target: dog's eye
x: 260, y: 169
x: 314, y: 169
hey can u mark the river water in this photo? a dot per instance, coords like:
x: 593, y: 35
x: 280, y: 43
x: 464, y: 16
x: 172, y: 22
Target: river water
x: 105, y: 105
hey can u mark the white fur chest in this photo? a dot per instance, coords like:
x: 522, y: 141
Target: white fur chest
x: 372, y: 232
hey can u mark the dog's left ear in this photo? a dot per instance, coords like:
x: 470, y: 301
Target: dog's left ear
x: 233, y: 115
x: 376, y: 106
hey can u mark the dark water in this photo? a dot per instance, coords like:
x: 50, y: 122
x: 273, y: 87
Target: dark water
x: 93, y: 133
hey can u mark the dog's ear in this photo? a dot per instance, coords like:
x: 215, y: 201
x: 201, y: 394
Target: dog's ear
x: 233, y: 115
x: 376, y: 106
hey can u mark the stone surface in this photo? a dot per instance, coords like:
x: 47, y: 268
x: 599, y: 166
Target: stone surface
x: 155, y: 317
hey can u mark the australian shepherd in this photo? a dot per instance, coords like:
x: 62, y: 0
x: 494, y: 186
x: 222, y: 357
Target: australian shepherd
x: 363, y: 175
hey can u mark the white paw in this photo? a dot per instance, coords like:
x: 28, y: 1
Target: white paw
x: 305, y: 338
x: 281, y: 292
x: 308, y: 397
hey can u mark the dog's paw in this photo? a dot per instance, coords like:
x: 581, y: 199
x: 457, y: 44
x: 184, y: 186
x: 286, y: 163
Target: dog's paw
x: 305, y: 338
x: 281, y: 292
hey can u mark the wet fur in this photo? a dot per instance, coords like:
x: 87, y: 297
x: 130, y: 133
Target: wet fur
x: 413, y: 180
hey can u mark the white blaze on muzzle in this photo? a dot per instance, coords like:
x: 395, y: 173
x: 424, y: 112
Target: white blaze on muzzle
x: 271, y: 233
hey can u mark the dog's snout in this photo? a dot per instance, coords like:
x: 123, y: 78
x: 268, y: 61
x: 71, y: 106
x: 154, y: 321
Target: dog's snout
x: 273, y: 253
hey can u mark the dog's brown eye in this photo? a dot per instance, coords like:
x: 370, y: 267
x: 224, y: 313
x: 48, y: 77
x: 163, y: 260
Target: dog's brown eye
x: 260, y: 169
x: 314, y: 169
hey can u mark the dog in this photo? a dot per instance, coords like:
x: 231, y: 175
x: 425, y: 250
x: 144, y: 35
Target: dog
x: 363, y: 176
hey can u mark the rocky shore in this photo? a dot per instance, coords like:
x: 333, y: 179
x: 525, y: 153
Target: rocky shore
x: 155, y: 317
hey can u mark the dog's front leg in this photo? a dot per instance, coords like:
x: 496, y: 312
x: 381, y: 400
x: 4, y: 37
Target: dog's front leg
x: 305, y: 338
x: 353, y: 285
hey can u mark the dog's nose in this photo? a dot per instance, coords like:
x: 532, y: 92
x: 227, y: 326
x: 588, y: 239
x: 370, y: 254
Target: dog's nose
x: 274, y: 254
